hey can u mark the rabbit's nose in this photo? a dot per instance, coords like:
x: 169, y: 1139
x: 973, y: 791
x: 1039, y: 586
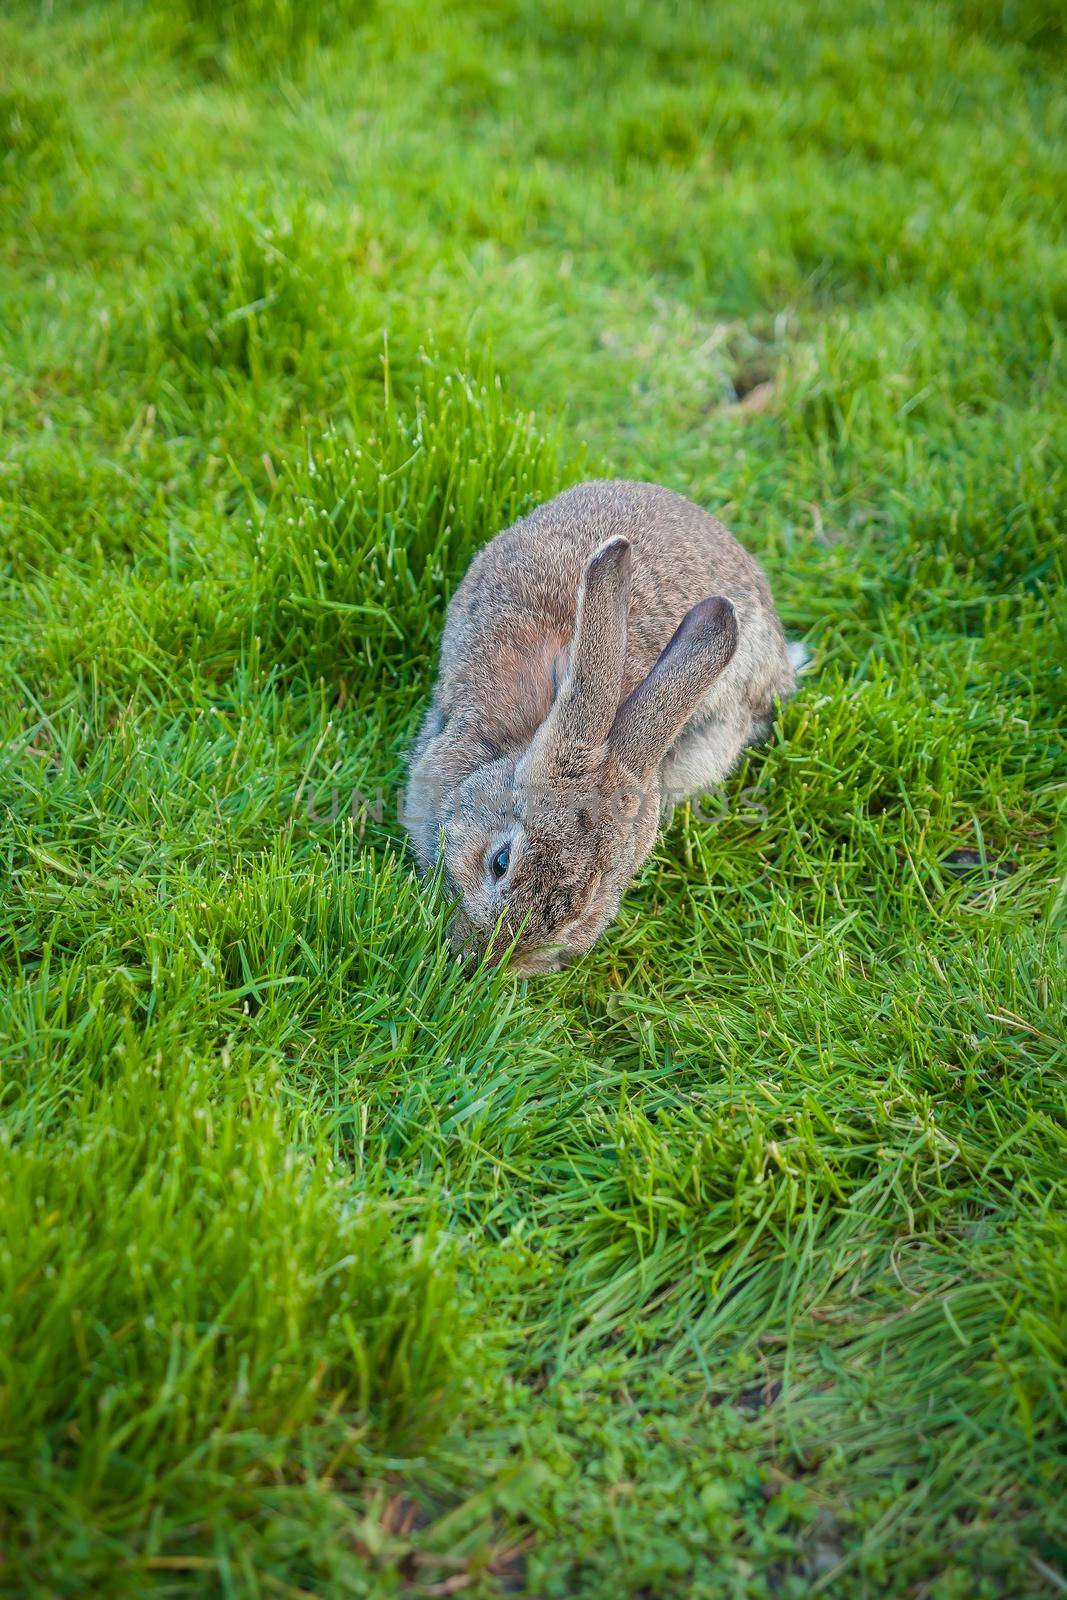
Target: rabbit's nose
x: 467, y: 941
x: 473, y: 957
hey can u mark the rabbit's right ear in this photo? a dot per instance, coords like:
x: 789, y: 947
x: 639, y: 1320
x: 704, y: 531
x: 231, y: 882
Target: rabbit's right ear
x: 651, y: 717
x: 589, y: 695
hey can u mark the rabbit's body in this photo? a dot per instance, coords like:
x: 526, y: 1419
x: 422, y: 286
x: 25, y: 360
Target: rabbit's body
x: 512, y: 664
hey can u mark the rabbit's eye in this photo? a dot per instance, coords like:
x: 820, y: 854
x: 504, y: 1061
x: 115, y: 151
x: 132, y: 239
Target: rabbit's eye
x: 499, y: 863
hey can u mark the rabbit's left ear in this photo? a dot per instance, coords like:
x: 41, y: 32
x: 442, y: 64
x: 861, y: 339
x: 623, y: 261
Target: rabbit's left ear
x: 588, y: 697
x: 651, y: 717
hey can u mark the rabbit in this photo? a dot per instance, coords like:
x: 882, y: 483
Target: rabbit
x: 606, y: 656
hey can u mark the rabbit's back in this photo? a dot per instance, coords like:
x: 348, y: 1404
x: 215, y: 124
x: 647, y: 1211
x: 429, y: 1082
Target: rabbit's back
x: 510, y: 629
x: 516, y: 603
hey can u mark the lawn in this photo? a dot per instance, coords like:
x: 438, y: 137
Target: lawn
x: 733, y: 1261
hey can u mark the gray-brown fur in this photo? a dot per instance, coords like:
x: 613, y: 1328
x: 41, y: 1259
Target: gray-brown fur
x: 563, y: 742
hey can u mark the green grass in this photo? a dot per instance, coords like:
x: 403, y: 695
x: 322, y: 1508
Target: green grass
x: 732, y: 1262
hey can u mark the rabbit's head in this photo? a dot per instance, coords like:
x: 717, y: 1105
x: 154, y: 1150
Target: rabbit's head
x: 538, y: 850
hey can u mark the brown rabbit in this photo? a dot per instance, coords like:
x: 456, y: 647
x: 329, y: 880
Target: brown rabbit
x: 609, y: 654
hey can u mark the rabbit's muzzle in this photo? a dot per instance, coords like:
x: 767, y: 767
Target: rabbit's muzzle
x: 477, y: 948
